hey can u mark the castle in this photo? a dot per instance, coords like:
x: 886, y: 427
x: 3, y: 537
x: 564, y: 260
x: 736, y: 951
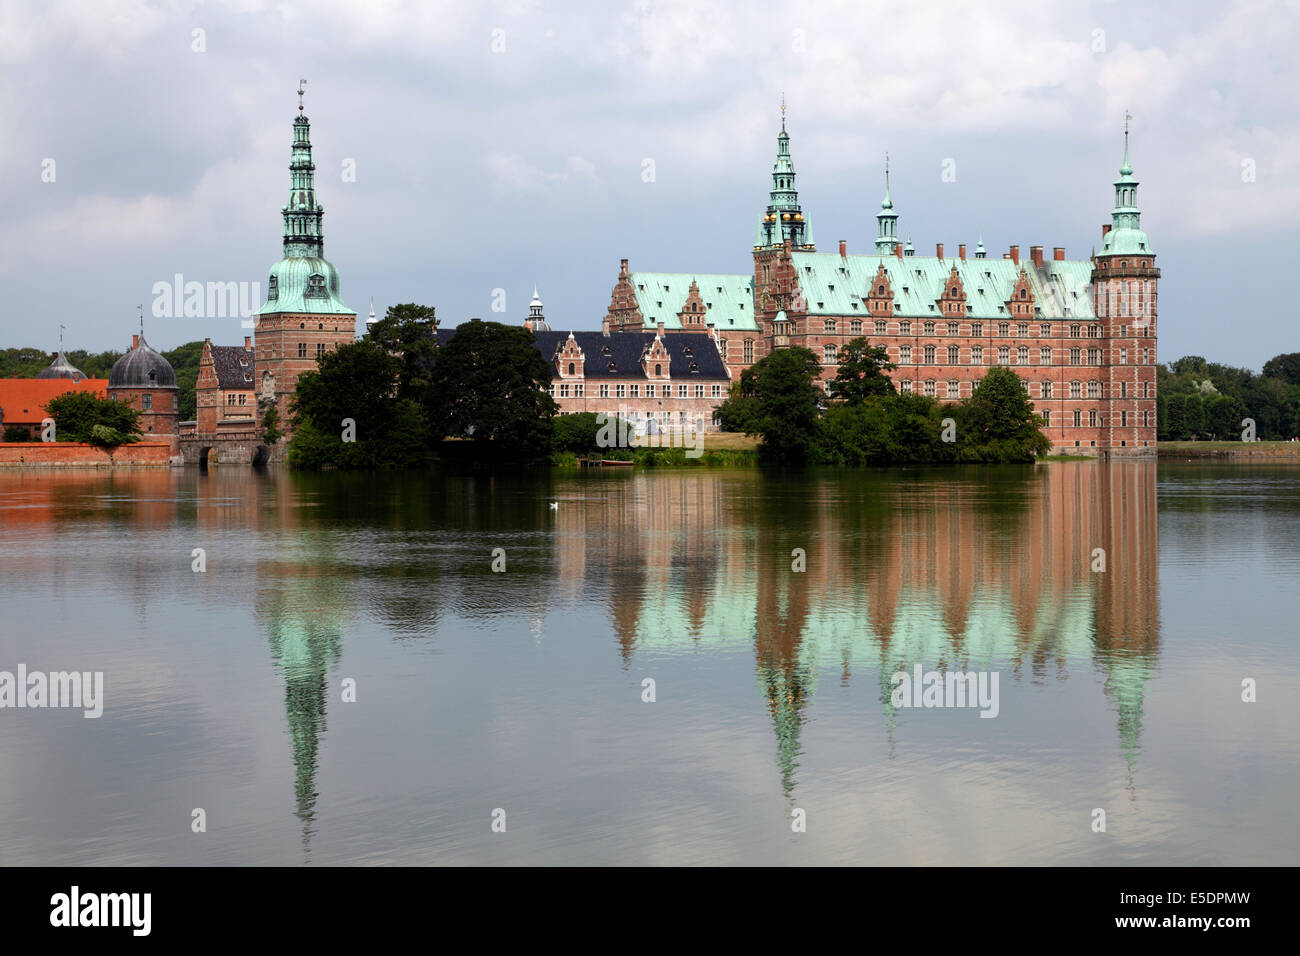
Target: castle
x: 1081, y: 334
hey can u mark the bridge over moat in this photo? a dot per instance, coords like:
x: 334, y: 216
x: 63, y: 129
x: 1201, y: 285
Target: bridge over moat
x: 240, y: 444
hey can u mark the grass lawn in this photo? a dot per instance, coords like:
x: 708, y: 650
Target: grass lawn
x: 1217, y: 445
x: 729, y: 441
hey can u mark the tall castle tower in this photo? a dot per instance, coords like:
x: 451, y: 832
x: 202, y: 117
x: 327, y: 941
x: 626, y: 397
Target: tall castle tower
x: 1124, y: 279
x: 303, y: 317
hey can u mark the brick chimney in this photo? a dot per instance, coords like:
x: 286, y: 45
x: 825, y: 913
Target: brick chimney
x: 961, y: 251
x: 1015, y: 254
x: 1105, y: 229
x: 248, y: 341
x: 135, y: 342
x: 844, y: 249
x: 898, y: 249
x: 1036, y: 255
x: 604, y: 323
x: 661, y: 327
x: 1058, y: 253
x: 938, y: 249
x: 622, y: 268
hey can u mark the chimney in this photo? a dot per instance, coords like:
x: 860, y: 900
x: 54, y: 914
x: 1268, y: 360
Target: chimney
x: 1036, y: 254
x: 898, y: 249
x: 844, y: 249
x: 248, y: 341
x: 938, y: 249
x: 1015, y: 254
x: 604, y: 323
x: 661, y: 327
x: 961, y: 251
x: 135, y: 342
x: 1058, y: 253
x: 622, y: 268
x: 1105, y: 229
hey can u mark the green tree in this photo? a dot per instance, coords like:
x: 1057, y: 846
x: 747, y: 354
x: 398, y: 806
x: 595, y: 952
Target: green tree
x: 409, y: 331
x: 861, y: 372
x: 17, y: 433
x: 1223, y: 416
x: 271, y: 426
x: 184, y: 361
x: 736, y: 413
x: 999, y: 422
x: 489, y: 384
x: 787, y: 404
x: 86, y: 417
x: 1193, y: 416
x: 1286, y: 367
x: 346, y: 413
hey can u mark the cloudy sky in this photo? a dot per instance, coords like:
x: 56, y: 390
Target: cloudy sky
x: 464, y: 148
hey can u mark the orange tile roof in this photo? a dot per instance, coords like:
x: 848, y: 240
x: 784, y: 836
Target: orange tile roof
x: 22, y: 400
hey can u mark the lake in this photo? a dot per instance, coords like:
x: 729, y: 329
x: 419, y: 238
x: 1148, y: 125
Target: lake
x: 1116, y: 609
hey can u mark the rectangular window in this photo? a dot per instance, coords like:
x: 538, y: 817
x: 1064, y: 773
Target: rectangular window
x: 954, y: 390
x: 1004, y: 355
x: 855, y: 327
x: 1045, y: 329
x: 1074, y: 332
x: 749, y: 351
x: 1045, y: 356
x: 302, y: 350
x: 146, y: 402
x: 1123, y: 419
x: 1022, y: 329
x: 929, y: 355
x: 976, y: 355
x: 620, y: 391
x: 1022, y: 355
x: 699, y: 391
x: 952, y: 328
x: 954, y: 355
x: 716, y: 391
x: 977, y: 328
x: 905, y: 355
x: 564, y: 390
x: 636, y: 391
x: 604, y: 391
x: 1092, y: 418
x: 880, y: 326
x: 905, y: 386
x: 905, y: 327
x: 1094, y: 389
x: 577, y: 390
x: 1078, y: 418
x: 681, y: 391
x: 1047, y: 390
x: 929, y: 387
x: 1002, y: 329
x: 1076, y: 390
x: 1075, y: 356
x: 828, y: 325
x: 320, y: 350
x: 1094, y: 356
x: 828, y: 355
x: 1047, y: 416
x: 929, y: 328
x: 1123, y: 389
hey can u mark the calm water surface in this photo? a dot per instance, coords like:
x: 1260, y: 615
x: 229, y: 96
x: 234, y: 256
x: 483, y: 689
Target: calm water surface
x: 522, y: 690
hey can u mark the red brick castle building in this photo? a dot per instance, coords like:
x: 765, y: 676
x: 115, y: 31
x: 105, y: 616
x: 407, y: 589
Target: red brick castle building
x: 1081, y: 334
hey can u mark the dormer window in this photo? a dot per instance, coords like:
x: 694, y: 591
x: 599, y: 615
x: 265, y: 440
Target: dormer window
x: 273, y: 289
x: 694, y: 367
x: 611, y: 366
x: 315, y: 287
x: 687, y: 351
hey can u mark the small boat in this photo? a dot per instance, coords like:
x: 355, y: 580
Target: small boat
x: 611, y: 461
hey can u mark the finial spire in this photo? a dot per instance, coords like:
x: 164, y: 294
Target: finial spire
x: 783, y: 111
x: 61, y: 328
x: 301, y: 85
x: 141, y: 308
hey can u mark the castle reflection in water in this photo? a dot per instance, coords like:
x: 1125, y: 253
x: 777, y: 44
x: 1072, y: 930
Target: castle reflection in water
x: 979, y: 569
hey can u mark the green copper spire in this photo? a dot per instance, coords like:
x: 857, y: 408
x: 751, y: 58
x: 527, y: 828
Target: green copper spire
x: 303, y: 281
x: 887, y: 220
x: 783, y: 219
x: 1126, y: 236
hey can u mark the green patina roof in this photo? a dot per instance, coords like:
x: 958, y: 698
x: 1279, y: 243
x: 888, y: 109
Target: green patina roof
x: 1060, y: 289
x: 661, y: 295
x: 304, y: 280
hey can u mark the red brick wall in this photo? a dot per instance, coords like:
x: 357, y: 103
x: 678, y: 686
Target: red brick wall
x: 276, y: 343
x: 82, y: 455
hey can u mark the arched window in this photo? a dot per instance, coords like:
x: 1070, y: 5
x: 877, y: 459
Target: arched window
x: 571, y: 368
x: 315, y: 287
x: 658, y: 369
x: 273, y: 289
x: 880, y: 290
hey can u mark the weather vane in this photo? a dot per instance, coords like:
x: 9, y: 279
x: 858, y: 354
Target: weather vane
x: 301, y: 84
x: 1127, y: 116
x: 783, y: 110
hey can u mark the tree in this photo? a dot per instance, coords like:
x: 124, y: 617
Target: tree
x: 346, y: 413
x: 409, y: 331
x: 1286, y: 367
x: 787, y: 404
x: 737, y: 412
x: 1193, y: 416
x: 490, y: 384
x: 999, y: 422
x: 184, y: 361
x: 861, y: 372
x: 271, y: 426
x: 86, y: 417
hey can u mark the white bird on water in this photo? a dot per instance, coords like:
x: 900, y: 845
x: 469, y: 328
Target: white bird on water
x: 555, y: 506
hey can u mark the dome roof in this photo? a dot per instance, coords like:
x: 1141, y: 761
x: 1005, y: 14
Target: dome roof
x: 142, y: 367
x: 61, y: 368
